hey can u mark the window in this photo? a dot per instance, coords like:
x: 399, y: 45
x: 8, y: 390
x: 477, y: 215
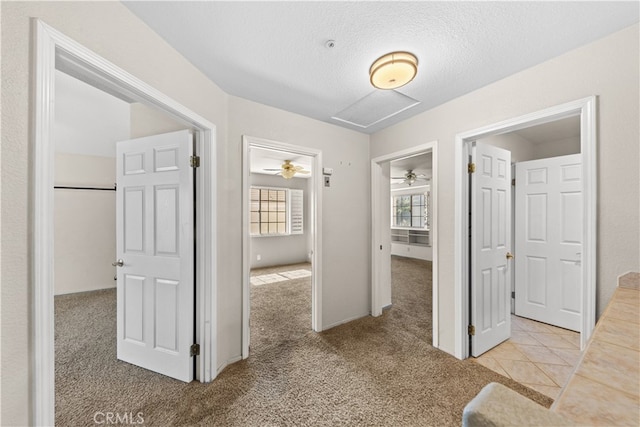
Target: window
x: 275, y: 211
x: 410, y: 210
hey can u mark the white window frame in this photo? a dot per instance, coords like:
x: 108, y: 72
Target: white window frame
x: 287, y: 211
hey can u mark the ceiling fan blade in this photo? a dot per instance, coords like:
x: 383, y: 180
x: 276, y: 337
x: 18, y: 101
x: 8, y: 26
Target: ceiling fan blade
x: 271, y: 169
x: 303, y: 171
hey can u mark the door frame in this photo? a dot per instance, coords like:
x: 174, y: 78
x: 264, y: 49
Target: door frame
x: 249, y: 142
x: 50, y: 46
x: 379, y: 227
x: 586, y: 109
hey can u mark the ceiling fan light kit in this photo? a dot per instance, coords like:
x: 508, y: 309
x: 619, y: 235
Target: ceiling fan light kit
x: 410, y: 177
x: 288, y: 170
x: 393, y: 70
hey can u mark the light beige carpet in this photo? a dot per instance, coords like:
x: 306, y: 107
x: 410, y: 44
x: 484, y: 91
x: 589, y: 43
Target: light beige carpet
x: 372, y: 371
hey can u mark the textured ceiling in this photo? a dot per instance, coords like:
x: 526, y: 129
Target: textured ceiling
x: 274, y: 52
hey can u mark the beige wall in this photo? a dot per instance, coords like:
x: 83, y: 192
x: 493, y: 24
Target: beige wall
x: 561, y: 147
x: 523, y: 149
x: 607, y: 68
x: 109, y: 29
x: 147, y: 121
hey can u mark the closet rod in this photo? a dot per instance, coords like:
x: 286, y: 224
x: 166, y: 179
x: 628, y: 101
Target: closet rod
x: 64, y: 187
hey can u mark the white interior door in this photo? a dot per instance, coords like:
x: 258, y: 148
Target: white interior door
x: 549, y: 240
x: 155, y: 247
x: 490, y: 241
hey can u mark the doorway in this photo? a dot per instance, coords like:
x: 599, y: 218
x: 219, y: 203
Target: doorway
x: 274, y: 205
x: 585, y: 110
x: 56, y: 51
x: 425, y: 242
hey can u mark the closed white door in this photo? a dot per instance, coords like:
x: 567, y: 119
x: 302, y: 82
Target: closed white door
x: 490, y: 239
x: 155, y: 250
x: 549, y: 240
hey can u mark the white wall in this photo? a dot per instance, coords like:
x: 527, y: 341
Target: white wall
x: 607, y: 68
x: 112, y: 31
x: 88, y: 123
x: 85, y: 224
x: 88, y: 120
x: 345, y: 209
x: 282, y: 250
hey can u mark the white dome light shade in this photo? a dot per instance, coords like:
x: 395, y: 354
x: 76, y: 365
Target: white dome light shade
x: 393, y: 70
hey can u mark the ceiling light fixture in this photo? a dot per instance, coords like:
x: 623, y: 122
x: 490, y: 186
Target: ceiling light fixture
x: 288, y: 173
x: 393, y: 70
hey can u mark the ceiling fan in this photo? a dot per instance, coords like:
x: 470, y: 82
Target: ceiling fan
x: 410, y: 177
x: 288, y: 170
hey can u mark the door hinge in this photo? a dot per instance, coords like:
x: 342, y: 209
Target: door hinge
x: 471, y: 330
x: 513, y: 182
x: 194, y: 350
x: 471, y: 167
x: 513, y: 294
x: 194, y: 161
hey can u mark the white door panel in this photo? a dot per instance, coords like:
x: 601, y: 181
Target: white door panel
x: 154, y: 222
x: 490, y: 241
x: 549, y: 240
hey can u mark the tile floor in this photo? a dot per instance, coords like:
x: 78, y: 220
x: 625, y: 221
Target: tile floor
x: 605, y: 389
x: 279, y: 277
x: 537, y: 355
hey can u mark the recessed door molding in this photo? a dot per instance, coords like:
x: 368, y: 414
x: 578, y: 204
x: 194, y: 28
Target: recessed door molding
x: 585, y: 108
x: 51, y: 46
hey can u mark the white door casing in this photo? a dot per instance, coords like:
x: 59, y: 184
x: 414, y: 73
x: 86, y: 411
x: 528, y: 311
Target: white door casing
x: 549, y: 240
x: 155, y: 232
x: 384, y: 209
x: 490, y: 241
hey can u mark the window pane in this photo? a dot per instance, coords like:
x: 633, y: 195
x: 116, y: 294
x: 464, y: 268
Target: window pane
x: 282, y: 195
x: 273, y: 228
x: 273, y: 216
x: 264, y: 228
x: 282, y: 217
x: 273, y: 195
x: 255, y: 206
x: 264, y: 216
x: 255, y: 194
x: 255, y: 217
x: 282, y: 228
x: 282, y: 207
x: 255, y: 228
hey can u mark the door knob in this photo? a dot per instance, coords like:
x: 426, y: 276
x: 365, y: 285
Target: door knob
x: 118, y: 263
x: 509, y: 255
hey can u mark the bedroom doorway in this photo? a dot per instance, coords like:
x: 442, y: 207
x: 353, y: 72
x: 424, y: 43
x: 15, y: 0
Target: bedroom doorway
x: 387, y: 239
x: 282, y: 200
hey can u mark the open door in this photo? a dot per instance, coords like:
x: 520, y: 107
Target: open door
x: 155, y: 251
x: 549, y: 240
x: 490, y: 239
